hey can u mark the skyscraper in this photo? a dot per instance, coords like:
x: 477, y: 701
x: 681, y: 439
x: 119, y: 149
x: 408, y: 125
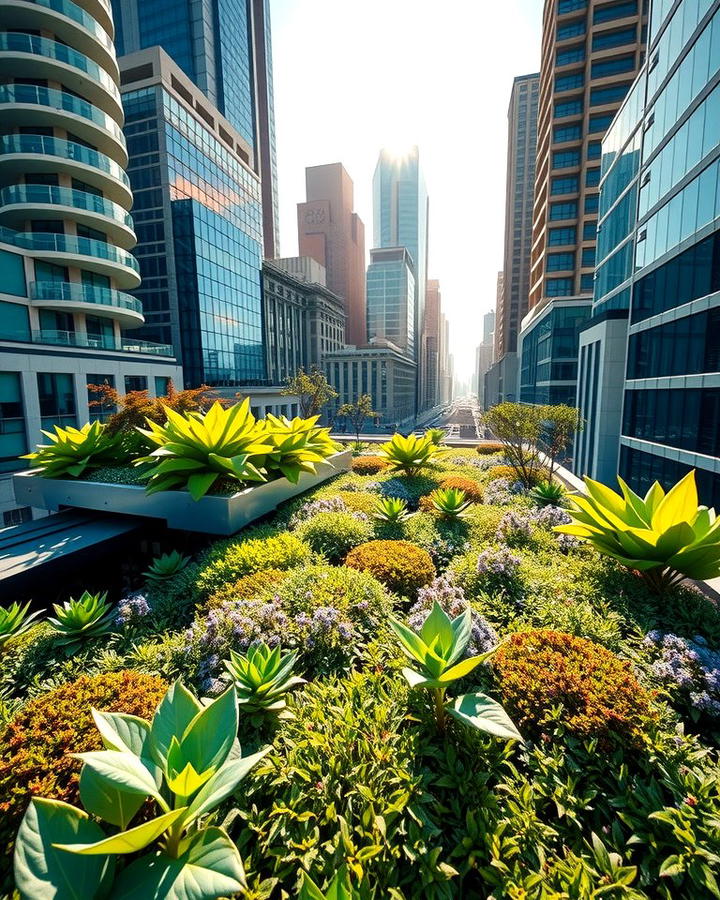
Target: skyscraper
x: 334, y: 235
x: 591, y: 52
x: 224, y: 47
x: 391, y: 298
x: 432, y: 341
x: 65, y: 231
x: 400, y: 219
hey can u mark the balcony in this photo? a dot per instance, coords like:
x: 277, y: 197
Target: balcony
x: 89, y: 341
x: 30, y: 105
x: 24, y: 153
x: 86, y: 253
x: 20, y: 202
x: 69, y: 22
x: 30, y: 56
x: 76, y: 297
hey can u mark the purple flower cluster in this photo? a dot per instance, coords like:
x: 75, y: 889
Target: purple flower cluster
x: 688, y: 666
x: 497, y: 492
x: 473, y: 461
x: 237, y: 627
x: 325, y: 625
x: 313, y: 507
x: 514, y: 528
x: 132, y: 608
x: 443, y: 549
x: 550, y: 516
x: 488, y: 462
x: 499, y: 563
x: 451, y: 598
x: 393, y: 487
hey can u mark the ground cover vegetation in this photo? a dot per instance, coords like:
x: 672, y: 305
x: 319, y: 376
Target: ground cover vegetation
x: 431, y: 677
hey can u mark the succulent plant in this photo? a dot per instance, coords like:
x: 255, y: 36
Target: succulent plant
x: 548, y: 493
x: 296, y: 445
x: 392, y: 510
x: 166, y: 566
x: 450, y: 502
x: 73, y: 450
x: 262, y: 676
x: 436, y: 435
x: 14, y: 620
x: 76, y: 621
x: 409, y: 454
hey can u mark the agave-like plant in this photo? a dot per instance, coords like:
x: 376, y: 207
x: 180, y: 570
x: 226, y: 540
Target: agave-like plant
x: 392, y: 510
x: 166, y: 566
x: 437, y: 649
x: 80, y: 620
x: 262, y: 677
x: 73, y: 450
x: 182, y: 765
x: 548, y: 493
x: 14, y: 621
x: 450, y: 502
x: 409, y: 454
x: 436, y: 435
x: 196, y: 449
x: 297, y: 445
x: 665, y: 537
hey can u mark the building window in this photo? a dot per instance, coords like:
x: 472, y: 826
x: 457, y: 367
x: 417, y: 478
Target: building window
x: 14, y: 321
x: 568, y: 108
x: 566, y: 159
x: 566, y: 6
x: 569, y: 82
x: 614, y: 11
x: 563, y: 210
x: 600, y: 123
x: 592, y: 177
x: 588, y: 257
x: 612, y: 94
x: 570, y: 55
x: 560, y: 262
x: 590, y: 231
x: 558, y: 287
x: 135, y: 383
x: 12, y: 274
x: 615, y: 66
x: 570, y: 30
x: 586, y: 283
x: 162, y: 385
x: 561, y: 236
x: 594, y: 150
x: 13, y: 440
x: 568, y: 184
x: 563, y: 133
x: 608, y: 39
x: 99, y: 409
x: 56, y: 393
x: 591, y: 203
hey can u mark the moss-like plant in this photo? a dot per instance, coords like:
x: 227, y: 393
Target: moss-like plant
x: 73, y: 451
x: 333, y: 534
x: 368, y: 465
x: 399, y: 565
x: 76, y: 621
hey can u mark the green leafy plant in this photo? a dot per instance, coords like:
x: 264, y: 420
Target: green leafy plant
x: 197, y: 449
x: 166, y: 566
x: 76, y: 621
x: 357, y: 413
x: 186, y: 762
x: 450, y: 502
x: 436, y: 435
x: 409, y: 454
x: 262, y: 676
x: 438, y: 649
x: 14, y: 621
x: 297, y: 446
x: 340, y: 888
x: 392, y: 510
x: 665, y: 537
x: 548, y: 493
x: 74, y: 450
x: 312, y: 390
x: 334, y: 534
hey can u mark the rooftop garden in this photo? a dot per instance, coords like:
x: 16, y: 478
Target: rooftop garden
x: 437, y: 675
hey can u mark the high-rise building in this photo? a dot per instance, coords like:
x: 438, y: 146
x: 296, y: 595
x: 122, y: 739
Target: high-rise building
x: 391, y: 298
x: 334, y: 235
x: 224, y: 48
x: 591, y: 52
x: 659, y: 245
x: 484, y: 355
x: 400, y: 219
x: 432, y: 343
x: 198, y: 207
x: 65, y: 231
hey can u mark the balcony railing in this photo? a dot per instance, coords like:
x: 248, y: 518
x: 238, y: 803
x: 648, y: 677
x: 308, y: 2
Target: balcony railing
x: 54, y: 99
x: 61, y: 196
x: 77, y: 14
x: 50, y: 146
x: 30, y: 43
x: 90, y: 341
x: 68, y: 243
x: 75, y: 292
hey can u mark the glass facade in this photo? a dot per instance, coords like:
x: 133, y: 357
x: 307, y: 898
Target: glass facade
x: 549, y: 355
x: 391, y: 301
x: 199, y: 225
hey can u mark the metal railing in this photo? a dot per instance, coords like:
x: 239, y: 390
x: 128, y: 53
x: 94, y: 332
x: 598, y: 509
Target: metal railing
x: 50, y: 146
x: 62, y: 196
x: 75, y: 292
x: 54, y: 99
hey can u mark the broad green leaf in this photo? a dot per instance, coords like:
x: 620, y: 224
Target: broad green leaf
x: 485, y: 714
x: 410, y: 641
x: 200, y: 484
x: 438, y: 627
x: 208, y: 867
x: 122, y: 770
x: 127, y: 841
x: 415, y: 679
x: 42, y: 872
x: 187, y: 781
x: 222, y: 784
x: 678, y: 505
x: 459, y: 670
x: 209, y: 737
x: 107, y: 802
x: 653, y: 498
x: 340, y: 887
x: 176, y: 711
x: 120, y: 731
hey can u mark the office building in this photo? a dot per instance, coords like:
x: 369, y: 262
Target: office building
x: 391, y: 298
x: 199, y: 224
x: 591, y: 53
x: 224, y: 48
x: 330, y: 232
x: 484, y: 355
x: 400, y: 219
x: 664, y: 150
x: 304, y: 321
x: 445, y: 372
x: 66, y: 317
x: 432, y: 342
x: 305, y: 268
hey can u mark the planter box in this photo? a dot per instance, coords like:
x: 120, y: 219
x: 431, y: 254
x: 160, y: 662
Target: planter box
x: 211, y: 515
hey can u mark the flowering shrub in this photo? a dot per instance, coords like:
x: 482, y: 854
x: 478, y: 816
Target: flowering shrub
x: 335, y: 533
x: 600, y: 696
x: 496, y: 567
x: 689, y: 670
x: 399, y: 565
x: 393, y: 487
x: 229, y: 560
x: 497, y: 492
x: 131, y: 610
x: 550, y: 516
x: 35, y: 745
x: 368, y: 465
x: 246, y: 588
x: 510, y: 473
x: 514, y: 529
x: 313, y: 507
x: 489, y: 448
x: 470, y: 488
x: 451, y: 598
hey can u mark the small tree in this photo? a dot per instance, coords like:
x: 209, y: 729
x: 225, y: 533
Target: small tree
x: 561, y: 422
x: 518, y: 427
x: 312, y: 389
x: 358, y: 412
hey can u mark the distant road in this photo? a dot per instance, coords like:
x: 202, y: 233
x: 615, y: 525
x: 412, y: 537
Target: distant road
x: 460, y: 421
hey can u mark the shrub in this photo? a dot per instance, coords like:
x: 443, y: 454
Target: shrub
x: 230, y: 560
x: 514, y: 529
x: 399, y: 565
x: 312, y: 507
x: 498, y: 492
x: 247, y: 588
x: 368, y: 465
x: 690, y: 672
x: 333, y: 534
x: 535, y: 476
x: 600, y: 697
x: 472, y: 490
x: 442, y: 539
x: 34, y: 746
x: 357, y: 501
x: 408, y: 487
x: 490, y: 448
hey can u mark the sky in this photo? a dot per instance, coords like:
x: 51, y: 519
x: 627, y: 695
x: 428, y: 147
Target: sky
x: 352, y: 76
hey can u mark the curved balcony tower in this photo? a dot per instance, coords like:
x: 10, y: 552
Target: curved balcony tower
x: 64, y: 196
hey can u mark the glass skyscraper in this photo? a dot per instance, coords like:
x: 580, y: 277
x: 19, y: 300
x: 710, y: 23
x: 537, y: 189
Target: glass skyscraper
x: 391, y: 298
x: 224, y: 47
